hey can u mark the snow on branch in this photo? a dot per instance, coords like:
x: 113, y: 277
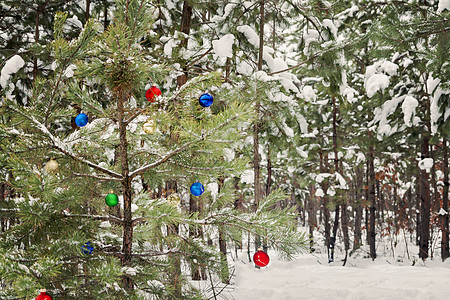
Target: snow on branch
x: 113, y: 219
x: 178, y: 150
x: 58, y: 144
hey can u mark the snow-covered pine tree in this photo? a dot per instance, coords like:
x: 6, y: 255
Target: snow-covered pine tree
x: 56, y: 210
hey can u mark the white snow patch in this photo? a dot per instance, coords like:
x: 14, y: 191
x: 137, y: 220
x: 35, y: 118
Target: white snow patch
x: 375, y: 83
x: 443, y: 5
x: 409, y: 109
x: 213, y: 187
x: 75, y: 22
x: 310, y: 276
x: 248, y: 177
x: 12, y: 65
x: 105, y: 224
x: 330, y: 25
x: 303, y: 124
x: 229, y: 154
x: 244, y: 68
x: 309, y: 93
x: 426, y: 164
x: 250, y: 34
x: 342, y: 183
x: 331, y: 191
x: 319, y: 193
x: 320, y: 177
x: 223, y: 47
x: 68, y: 73
x: 442, y: 212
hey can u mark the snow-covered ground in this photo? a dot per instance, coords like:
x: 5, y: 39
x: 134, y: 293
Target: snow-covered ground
x: 311, y: 277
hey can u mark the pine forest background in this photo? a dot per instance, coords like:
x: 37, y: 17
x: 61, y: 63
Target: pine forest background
x: 328, y: 133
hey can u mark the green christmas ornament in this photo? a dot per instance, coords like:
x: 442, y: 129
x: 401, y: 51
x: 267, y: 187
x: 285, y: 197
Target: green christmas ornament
x: 112, y: 199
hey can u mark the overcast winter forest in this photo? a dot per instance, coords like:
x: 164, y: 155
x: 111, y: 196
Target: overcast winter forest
x: 328, y: 134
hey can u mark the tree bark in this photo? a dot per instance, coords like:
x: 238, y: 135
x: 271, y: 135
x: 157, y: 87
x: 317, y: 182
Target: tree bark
x: 88, y: 8
x: 185, y: 28
x: 358, y: 212
x: 372, y: 200
x: 444, y: 218
x: 336, y: 169
x: 126, y: 191
x: 326, y: 212
x: 424, y: 233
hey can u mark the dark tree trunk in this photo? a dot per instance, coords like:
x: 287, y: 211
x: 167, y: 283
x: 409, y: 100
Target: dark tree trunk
x: 424, y: 233
x: 372, y: 201
x: 88, y: 8
x: 336, y: 168
x: 223, y: 247
x: 326, y: 212
x: 345, y: 231
x: 358, y: 235
x: 269, y: 172
x: 333, y: 238
x: 418, y: 209
x: 185, y: 28
x: 444, y: 218
x: 359, y: 210
x: 126, y: 191
x: 312, y: 221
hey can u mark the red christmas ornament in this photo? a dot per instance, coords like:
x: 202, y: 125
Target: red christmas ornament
x: 260, y: 258
x: 44, y: 295
x: 152, y: 93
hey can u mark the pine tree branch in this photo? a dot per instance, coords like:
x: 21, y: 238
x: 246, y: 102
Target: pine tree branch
x: 178, y: 150
x: 97, y: 177
x: 156, y: 253
x: 141, y: 219
x: 113, y: 219
x: 58, y: 144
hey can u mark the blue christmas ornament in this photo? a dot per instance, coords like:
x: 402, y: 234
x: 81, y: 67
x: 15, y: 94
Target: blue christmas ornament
x: 81, y: 120
x: 197, y: 189
x: 206, y: 100
x: 87, y: 248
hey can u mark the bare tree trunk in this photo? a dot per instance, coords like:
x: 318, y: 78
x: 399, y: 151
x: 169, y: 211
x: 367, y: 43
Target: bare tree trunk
x: 39, y: 10
x: 424, y: 233
x: 256, y: 158
x: 418, y: 210
x: 269, y: 172
x: 336, y: 168
x: 126, y: 191
x: 326, y: 212
x: 444, y: 218
x: 185, y: 28
x: 345, y: 230
x: 312, y: 221
x: 88, y: 8
x: 359, y: 210
x: 372, y: 200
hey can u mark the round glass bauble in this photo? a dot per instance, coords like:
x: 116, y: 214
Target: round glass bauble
x: 206, y: 100
x: 43, y: 295
x: 111, y: 200
x: 81, y: 120
x: 261, y: 259
x: 152, y: 93
x: 149, y: 126
x: 197, y: 189
x: 174, y: 199
x: 87, y: 248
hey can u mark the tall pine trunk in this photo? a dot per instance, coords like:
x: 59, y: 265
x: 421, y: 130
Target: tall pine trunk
x: 444, y: 218
x: 424, y: 194
x: 126, y: 191
x: 372, y: 201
